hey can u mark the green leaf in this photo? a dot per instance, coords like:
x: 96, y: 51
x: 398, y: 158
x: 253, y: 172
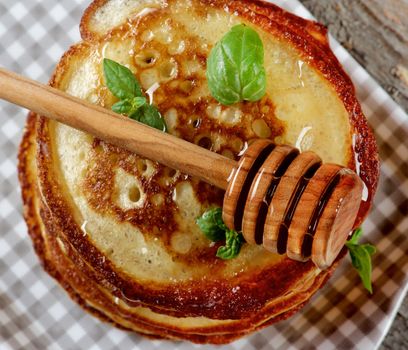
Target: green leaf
x: 129, y: 107
x: 121, y: 81
x: 138, y: 102
x: 356, y: 236
x: 122, y: 107
x: 213, y: 227
x: 235, y: 67
x: 233, y: 243
x: 124, y: 85
x: 150, y: 115
x: 211, y: 224
x: 369, y: 248
x: 361, y: 258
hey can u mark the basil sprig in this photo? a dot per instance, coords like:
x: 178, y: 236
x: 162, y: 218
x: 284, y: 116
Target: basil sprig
x: 360, y: 255
x: 235, y: 67
x: 213, y: 227
x: 211, y: 224
x: 130, y: 106
x: 233, y: 243
x: 123, y: 84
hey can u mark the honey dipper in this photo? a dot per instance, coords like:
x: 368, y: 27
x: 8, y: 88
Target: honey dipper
x: 278, y: 197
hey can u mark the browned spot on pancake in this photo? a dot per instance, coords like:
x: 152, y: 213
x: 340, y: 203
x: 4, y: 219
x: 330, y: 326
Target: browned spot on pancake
x: 99, y: 190
x: 208, y: 194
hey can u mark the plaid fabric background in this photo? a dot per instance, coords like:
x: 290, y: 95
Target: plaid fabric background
x: 35, y: 313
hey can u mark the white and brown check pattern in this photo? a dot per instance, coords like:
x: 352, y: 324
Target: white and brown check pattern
x: 35, y: 313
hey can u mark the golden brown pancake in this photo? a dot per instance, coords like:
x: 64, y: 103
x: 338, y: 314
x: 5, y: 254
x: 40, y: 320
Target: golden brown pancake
x: 118, y: 231
x: 55, y: 259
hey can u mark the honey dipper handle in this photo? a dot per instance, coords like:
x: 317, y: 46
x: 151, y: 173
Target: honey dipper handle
x: 116, y: 129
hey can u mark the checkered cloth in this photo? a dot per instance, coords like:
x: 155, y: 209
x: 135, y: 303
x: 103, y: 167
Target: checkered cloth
x: 35, y: 313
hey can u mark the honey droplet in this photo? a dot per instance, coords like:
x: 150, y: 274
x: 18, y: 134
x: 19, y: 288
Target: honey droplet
x: 261, y: 129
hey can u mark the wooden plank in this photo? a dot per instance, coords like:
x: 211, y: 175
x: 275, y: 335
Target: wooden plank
x: 375, y: 32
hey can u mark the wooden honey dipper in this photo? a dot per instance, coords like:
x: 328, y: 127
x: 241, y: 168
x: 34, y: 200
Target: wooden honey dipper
x: 278, y: 197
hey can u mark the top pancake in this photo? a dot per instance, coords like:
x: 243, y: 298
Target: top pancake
x: 133, y: 220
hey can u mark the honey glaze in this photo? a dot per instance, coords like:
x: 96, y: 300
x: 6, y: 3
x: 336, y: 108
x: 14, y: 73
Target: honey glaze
x: 170, y: 63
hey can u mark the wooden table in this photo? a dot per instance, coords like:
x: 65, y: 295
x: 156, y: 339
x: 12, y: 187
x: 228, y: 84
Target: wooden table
x: 375, y: 32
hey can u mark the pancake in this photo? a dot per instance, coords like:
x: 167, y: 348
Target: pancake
x: 118, y: 231
x: 56, y: 258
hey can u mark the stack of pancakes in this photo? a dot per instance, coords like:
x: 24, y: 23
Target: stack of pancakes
x: 119, y: 232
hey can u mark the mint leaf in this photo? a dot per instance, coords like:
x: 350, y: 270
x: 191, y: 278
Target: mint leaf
x: 361, y: 258
x: 235, y: 67
x: 211, y: 224
x: 150, y: 115
x: 121, y: 81
x: 233, y: 243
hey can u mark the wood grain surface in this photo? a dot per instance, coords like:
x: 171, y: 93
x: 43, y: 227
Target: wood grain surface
x: 375, y: 32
